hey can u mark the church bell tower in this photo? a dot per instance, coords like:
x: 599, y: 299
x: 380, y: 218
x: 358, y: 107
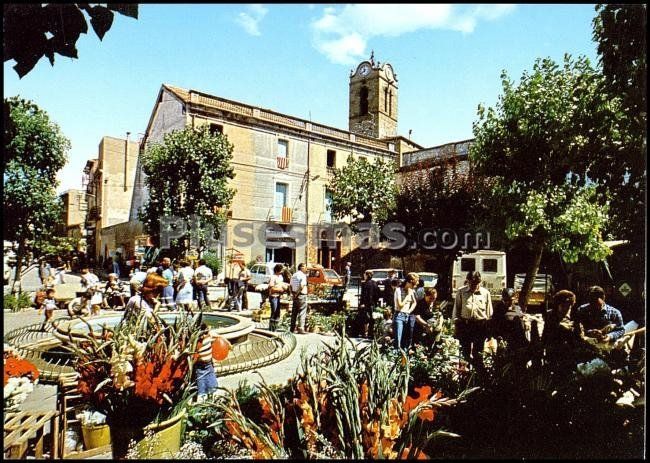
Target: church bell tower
x: 373, y: 99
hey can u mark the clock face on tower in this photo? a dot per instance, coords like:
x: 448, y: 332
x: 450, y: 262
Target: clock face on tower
x: 364, y: 70
x: 389, y: 73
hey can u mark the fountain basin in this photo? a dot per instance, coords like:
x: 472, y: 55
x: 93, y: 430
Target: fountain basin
x: 232, y: 327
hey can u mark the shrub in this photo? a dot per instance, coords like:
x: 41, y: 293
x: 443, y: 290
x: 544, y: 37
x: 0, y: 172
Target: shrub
x: 213, y: 262
x: 17, y: 302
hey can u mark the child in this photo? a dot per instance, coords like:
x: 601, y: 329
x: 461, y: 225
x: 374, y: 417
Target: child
x: 114, y: 292
x: 82, y: 308
x: 206, y: 378
x: 49, y: 304
x: 387, y: 325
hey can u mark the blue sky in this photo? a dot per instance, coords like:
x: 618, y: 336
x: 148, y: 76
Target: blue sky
x: 296, y: 59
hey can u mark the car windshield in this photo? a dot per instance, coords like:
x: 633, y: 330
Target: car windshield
x: 330, y: 273
x: 379, y: 274
x: 429, y: 277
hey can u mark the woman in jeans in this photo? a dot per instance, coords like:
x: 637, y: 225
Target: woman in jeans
x: 404, y: 304
x: 277, y: 286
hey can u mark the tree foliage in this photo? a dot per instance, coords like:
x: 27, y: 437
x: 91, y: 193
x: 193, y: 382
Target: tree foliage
x: 187, y: 176
x: 35, y: 150
x: 443, y: 194
x: 539, y: 145
x: 620, y: 32
x: 26, y: 28
x: 364, y: 191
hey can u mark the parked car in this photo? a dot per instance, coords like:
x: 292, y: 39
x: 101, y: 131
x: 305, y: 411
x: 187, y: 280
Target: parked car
x: 380, y: 274
x: 261, y: 273
x: 430, y: 279
x: 317, y: 274
x: 542, y: 288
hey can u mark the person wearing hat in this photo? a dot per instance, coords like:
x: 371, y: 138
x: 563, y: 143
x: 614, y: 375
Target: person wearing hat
x: 471, y: 314
x: 598, y: 319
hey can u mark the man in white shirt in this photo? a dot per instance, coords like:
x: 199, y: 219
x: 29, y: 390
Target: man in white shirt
x: 202, y: 276
x: 299, y: 293
x: 471, y: 314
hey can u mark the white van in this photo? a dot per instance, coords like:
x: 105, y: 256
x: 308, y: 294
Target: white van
x: 490, y: 264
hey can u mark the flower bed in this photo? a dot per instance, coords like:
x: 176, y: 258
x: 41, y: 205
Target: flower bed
x: 20, y: 376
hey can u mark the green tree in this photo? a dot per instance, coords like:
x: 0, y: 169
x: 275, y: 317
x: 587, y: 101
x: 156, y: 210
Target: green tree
x: 620, y: 32
x: 443, y: 195
x: 26, y: 28
x: 537, y: 146
x: 187, y: 177
x: 35, y: 150
x: 363, y: 191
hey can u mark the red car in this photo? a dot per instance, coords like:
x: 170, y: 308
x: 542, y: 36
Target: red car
x: 317, y: 274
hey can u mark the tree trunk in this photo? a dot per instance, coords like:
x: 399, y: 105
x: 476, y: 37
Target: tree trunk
x: 19, y: 265
x: 531, y: 273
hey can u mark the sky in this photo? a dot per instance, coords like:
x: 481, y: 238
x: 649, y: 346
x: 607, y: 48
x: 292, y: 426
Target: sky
x: 296, y: 59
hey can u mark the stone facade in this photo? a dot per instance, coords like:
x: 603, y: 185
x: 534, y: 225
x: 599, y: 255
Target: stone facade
x: 373, y: 100
x: 75, y: 209
x: 110, y: 188
x: 282, y: 165
x: 280, y: 204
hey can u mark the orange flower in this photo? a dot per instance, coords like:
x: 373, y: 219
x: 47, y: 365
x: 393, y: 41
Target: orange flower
x: 363, y: 400
x: 423, y: 393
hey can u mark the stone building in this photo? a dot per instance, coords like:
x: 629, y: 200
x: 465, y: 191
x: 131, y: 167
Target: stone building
x: 283, y: 164
x: 109, y: 184
x: 75, y: 209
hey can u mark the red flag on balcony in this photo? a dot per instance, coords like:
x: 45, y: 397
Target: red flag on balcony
x: 283, y: 162
x: 286, y: 214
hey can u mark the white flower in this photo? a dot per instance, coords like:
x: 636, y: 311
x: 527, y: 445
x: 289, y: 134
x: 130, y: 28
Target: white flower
x: 596, y: 367
x: 626, y: 400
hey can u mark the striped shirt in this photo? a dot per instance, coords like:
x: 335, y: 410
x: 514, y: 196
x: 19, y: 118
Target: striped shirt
x: 204, y: 349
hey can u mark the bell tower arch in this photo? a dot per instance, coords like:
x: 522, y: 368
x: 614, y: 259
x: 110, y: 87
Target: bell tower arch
x: 373, y: 99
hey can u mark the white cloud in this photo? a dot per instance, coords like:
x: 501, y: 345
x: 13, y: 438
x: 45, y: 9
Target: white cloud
x: 343, y: 33
x: 250, y: 20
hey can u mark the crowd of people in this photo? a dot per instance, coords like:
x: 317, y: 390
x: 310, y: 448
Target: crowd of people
x: 410, y: 312
x: 412, y: 316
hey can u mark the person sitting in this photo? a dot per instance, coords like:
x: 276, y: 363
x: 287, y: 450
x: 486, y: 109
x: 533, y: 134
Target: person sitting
x: 387, y: 326
x: 82, y: 307
x: 508, y: 321
x: 114, y: 292
x: 147, y: 300
x: 598, y: 320
x: 558, y: 326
